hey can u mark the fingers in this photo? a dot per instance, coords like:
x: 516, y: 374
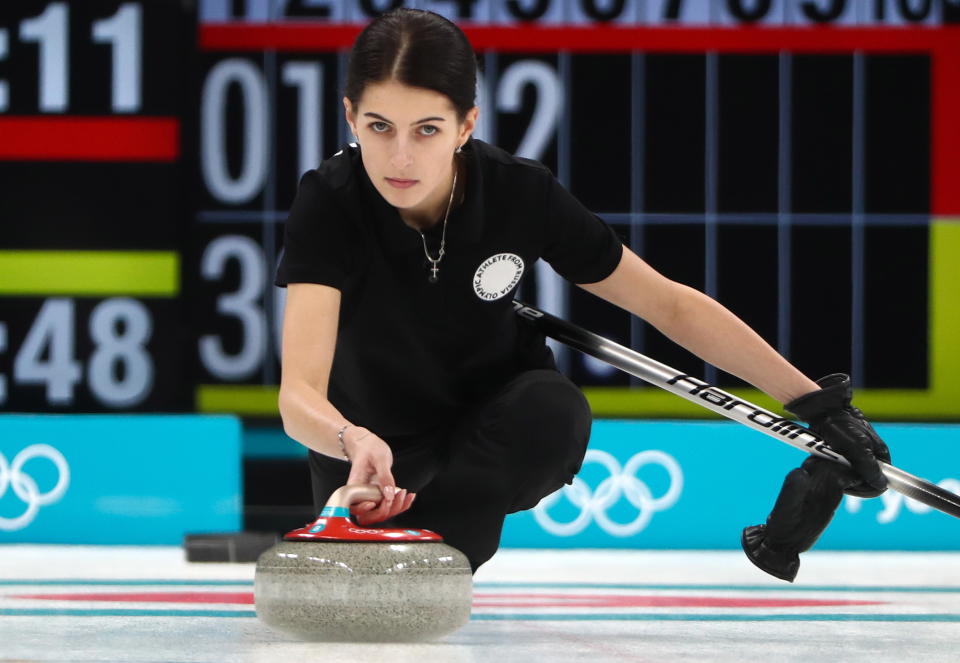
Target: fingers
x: 857, y: 447
x: 401, y: 502
x: 384, y: 477
x: 387, y: 508
x: 371, y: 463
x: 865, y: 464
x: 869, y: 469
x: 392, y: 502
x: 382, y: 510
x: 371, y: 460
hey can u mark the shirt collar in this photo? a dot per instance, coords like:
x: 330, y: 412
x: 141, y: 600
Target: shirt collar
x: 465, y: 225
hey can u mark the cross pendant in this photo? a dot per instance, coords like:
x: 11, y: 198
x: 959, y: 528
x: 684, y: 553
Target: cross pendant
x: 433, y: 278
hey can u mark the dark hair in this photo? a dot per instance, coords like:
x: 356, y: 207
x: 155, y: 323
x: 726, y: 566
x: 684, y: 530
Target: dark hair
x: 417, y: 48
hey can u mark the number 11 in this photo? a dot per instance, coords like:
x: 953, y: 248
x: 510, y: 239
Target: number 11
x: 122, y: 31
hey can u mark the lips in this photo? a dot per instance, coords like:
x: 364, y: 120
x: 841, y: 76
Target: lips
x: 401, y: 184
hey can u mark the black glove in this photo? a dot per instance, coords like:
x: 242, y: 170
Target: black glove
x: 811, y: 493
x: 845, y: 430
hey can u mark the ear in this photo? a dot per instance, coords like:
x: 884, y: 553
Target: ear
x: 468, y: 125
x: 350, y: 115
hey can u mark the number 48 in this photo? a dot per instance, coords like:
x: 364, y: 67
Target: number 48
x: 48, y: 355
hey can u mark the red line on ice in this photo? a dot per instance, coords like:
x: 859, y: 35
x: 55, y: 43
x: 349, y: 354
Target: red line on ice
x: 487, y: 600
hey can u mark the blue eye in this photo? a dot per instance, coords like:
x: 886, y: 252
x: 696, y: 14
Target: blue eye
x: 433, y: 129
x: 374, y: 125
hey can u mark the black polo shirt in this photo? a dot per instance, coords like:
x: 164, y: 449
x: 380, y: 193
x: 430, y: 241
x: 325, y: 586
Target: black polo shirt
x: 411, y: 355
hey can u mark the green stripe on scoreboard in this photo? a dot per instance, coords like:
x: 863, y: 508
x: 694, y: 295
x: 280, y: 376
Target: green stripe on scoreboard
x: 89, y: 273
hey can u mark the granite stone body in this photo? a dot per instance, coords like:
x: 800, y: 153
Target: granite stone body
x: 354, y: 591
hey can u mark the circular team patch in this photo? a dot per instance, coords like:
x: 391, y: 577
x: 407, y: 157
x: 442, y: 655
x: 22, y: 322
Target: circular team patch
x: 497, y: 275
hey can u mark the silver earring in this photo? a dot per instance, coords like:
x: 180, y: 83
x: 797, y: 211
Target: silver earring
x: 459, y: 149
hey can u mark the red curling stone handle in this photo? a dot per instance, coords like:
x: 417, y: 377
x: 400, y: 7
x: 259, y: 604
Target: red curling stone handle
x: 334, y: 522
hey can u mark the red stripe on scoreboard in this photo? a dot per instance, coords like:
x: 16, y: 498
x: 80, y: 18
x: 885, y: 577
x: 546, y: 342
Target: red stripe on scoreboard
x: 153, y: 139
x: 945, y: 132
x: 527, y: 38
x: 276, y: 36
x: 749, y: 39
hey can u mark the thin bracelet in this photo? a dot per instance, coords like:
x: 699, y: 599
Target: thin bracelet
x: 343, y: 449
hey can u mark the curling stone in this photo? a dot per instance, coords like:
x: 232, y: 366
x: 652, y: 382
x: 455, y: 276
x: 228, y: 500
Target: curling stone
x: 333, y: 580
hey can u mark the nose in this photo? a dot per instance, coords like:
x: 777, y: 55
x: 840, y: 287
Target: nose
x: 401, y: 158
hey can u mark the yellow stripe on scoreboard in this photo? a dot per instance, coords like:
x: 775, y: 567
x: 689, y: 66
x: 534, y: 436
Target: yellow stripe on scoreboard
x: 89, y: 273
x: 249, y: 400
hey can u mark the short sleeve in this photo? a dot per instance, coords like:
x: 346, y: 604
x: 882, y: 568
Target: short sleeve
x: 317, y: 244
x: 579, y: 245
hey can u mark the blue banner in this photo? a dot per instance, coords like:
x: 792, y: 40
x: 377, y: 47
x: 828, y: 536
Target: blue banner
x: 664, y: 484
x: 118, y: 479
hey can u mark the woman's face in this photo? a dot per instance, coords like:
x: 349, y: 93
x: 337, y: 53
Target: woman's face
x: 408, y: 136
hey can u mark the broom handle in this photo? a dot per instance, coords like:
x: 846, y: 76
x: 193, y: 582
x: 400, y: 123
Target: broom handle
x: 721, y: 402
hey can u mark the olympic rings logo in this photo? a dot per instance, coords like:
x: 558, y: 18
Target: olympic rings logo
x: 622, y: 482
x: 25, y: 487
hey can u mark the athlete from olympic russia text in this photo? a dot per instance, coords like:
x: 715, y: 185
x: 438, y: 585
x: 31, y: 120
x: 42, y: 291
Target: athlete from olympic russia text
x: 410, y: 133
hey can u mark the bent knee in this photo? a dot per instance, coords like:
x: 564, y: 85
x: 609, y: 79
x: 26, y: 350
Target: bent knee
x: 548, y: 403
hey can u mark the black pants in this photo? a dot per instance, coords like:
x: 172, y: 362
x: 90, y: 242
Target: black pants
x: 510, y: 451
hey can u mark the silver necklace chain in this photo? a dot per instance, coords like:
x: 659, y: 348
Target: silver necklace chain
x: 435, y: 262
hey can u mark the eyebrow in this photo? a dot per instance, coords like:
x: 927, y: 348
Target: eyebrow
x: 426, y: 119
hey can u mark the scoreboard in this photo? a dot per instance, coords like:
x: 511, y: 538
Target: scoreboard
x: 91, y: 206
x: 795, y: 159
